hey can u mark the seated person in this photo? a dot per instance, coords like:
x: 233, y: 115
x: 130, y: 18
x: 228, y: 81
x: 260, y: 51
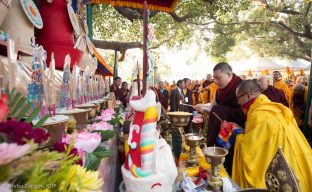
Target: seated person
x: 269, y: 125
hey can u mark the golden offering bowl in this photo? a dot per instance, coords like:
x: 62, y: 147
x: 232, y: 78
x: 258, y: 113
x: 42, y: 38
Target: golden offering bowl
x: 193, y: 140
x: 91, y: 106
x: 216, y: 157
x: 72, y: 123
x: 179, y: 120
x: 56, y: 127
x: 80, y: 115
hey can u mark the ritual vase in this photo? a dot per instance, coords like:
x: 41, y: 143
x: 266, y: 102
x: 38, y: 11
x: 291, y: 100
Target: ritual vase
x: 57, y: 35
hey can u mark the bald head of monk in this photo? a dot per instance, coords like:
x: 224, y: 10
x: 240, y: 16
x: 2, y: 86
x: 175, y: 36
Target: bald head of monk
x: 222, y: 74
x: 263, y: 83
x: 246, y: 91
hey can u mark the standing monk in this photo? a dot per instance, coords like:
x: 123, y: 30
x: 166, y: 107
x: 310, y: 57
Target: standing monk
x: 280, y: 84
x: 187, y: 94
x: 269, y: 125
x: 225, y: 106
x: 195, y: 92
x: 204, y: 94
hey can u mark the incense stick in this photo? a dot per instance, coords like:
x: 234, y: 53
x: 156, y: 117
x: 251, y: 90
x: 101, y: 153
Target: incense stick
x: 217, y: 116
x: 187, y: 105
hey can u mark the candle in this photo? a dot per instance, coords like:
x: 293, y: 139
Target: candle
x: 12, y: 56
x: 52, y: 80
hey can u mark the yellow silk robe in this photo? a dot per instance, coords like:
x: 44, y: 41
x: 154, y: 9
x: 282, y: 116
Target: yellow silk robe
x: 213, y: 89
x: 284, y: 87
x: 268, y: 126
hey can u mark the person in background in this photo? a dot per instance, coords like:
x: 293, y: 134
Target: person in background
x: 176, y: 97
x: 279, y: 83
x: 116, y: 84
x: 290, y: 84
x: 187, y: 95
x: 274, y: 94
x: 305, y: 80
x: 204, y: 89
x: 269, y: 126
x: 195, y: 92
x: 164, y: 95
x: 123, y: 93
x: 298, y: 103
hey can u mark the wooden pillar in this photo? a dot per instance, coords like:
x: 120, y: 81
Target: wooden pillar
x: 89, y: 20
x: 115, y: 65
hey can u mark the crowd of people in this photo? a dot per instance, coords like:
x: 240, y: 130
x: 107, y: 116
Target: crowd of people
x: 271, y: 115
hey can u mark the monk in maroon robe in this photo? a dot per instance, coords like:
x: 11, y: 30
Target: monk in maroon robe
x: 225, y: 106
x: 274, y: 94
x: 122, y: 94
x: 116, y: 84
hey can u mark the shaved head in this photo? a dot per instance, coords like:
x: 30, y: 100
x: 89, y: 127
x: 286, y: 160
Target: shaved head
x: 248, y: 86
x: 263, y: 83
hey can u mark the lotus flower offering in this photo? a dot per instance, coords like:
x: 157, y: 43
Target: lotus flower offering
x: 101, y: 126
x: 10, y: 152
x: 85, y: 140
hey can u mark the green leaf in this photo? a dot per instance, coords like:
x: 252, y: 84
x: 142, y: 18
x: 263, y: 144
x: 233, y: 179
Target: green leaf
x: 19, y: 105
x: 92, y: 162
x: 23, y: 111
x: 16, y: 97
x: 33, y: 114
x: 106, y: 135
x: 101, y: 152
x: 5, y: 173
x: 11, y: 95
x: 41, y: 121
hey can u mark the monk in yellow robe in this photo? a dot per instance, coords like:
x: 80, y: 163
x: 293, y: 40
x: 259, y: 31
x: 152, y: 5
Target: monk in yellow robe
x: 213, y: 88
x: 298, y: 102
x: 282, y: 85
x: 204, y: 90
x: 269, y: 125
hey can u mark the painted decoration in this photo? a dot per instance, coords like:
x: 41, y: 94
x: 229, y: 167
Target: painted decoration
x: 73, y: 19
x: 32, y: 13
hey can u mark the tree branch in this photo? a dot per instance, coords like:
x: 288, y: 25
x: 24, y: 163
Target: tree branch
x: 119, y: 46
x: 179, y: 18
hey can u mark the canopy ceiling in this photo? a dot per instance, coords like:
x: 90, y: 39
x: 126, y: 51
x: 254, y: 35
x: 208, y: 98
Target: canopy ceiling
x: 155, y: 5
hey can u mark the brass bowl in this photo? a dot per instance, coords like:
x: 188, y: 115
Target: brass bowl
x: 215, y: 155
x: 179, y: 119
x: 56, y: 129
x: 92, y: 112
x: 193, y: 139
x: 81, y: 116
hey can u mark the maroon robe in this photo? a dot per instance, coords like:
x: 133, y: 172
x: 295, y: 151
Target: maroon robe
x: 275, y: 95
x: 227, y: 109
x: 121, y: 96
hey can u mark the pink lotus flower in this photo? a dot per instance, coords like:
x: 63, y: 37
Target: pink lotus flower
x: 5, y: 187
x: 10, y: 152
x: 106, y: 117
x: 101, y: 126
x: 197, y: 120
x: 117, y: 102
x: 85, y: 141
x: 108, y: 111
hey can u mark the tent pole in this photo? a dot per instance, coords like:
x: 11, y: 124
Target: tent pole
x: 145, y: 61
x: 115, y: 65
x: 306, y: 129
x: 89, y: 20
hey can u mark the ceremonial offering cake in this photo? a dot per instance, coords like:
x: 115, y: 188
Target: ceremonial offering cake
x: 150, y: 165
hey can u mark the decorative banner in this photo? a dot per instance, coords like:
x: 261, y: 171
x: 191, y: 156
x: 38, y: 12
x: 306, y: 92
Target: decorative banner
x: 32, y: 13
x: 35, y: 89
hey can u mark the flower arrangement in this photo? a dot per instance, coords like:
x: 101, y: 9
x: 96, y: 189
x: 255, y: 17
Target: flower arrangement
x: 23, y: 163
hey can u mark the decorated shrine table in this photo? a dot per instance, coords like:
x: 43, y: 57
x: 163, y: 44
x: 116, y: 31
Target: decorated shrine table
x: 109, y: 167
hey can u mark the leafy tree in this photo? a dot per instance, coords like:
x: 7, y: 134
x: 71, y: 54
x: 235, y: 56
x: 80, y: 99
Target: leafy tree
x: 269, y: 27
